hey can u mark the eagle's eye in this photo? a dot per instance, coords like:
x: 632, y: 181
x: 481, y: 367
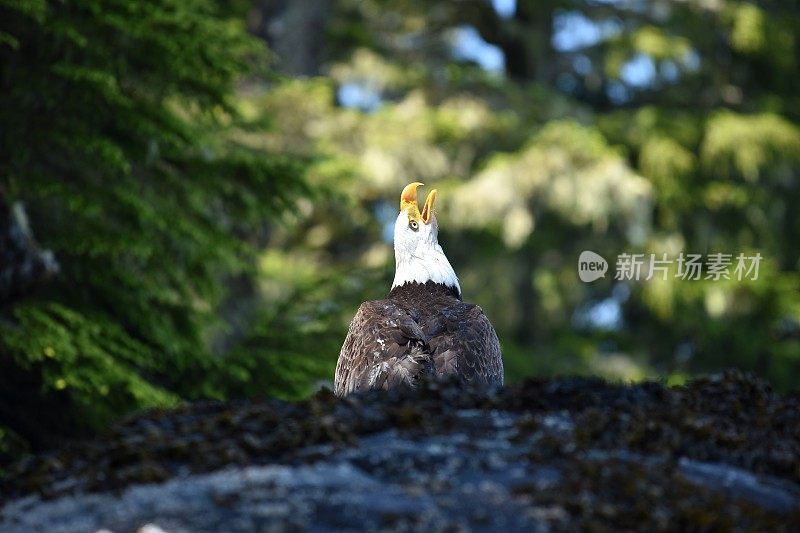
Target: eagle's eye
x: 413, y: 224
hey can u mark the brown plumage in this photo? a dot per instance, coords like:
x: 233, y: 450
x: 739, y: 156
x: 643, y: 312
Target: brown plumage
x: 420, y: 329
x: 423, y: 328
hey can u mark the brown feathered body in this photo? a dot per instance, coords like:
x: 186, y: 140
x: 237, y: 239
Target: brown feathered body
x: 420, y: 329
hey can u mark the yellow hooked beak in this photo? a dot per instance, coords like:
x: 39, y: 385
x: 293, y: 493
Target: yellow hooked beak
x: 408, y: 200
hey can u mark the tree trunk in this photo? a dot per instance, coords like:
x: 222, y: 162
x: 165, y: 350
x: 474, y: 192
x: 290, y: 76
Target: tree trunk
x: 23, y: 265
x: 295, y: 31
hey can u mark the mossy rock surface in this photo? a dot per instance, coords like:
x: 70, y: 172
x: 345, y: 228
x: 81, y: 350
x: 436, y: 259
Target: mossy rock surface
x: 722, y: 452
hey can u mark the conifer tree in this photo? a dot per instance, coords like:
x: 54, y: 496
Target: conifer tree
x: 118, y: 137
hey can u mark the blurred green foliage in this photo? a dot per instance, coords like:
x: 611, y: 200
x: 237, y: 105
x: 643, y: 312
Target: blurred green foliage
x: 218, y: 224
x: 665, y: 127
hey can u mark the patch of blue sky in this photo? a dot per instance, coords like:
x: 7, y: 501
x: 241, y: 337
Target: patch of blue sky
x: 358, y: 95
x: 386, y: 216
x: 605, y: 314
x: 505, y: 9
x: 639, y: 71
x: 467, y: 44
x: 572, y: 30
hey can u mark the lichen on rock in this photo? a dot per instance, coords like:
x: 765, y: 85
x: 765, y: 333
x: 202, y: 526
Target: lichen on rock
x: 561, y: 454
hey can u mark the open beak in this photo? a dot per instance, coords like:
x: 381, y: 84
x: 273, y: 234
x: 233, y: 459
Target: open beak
x: 408, y: 200
x: 427, y: 210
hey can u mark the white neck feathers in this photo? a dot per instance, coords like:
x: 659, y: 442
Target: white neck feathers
x: 426, y: 263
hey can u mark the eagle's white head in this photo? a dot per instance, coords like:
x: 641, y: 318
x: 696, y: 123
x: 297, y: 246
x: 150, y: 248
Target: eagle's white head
x: 418, y: 256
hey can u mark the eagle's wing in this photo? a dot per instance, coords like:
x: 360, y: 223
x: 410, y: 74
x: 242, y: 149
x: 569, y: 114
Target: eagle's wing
x: 463, y: 342
x: 384, y: 348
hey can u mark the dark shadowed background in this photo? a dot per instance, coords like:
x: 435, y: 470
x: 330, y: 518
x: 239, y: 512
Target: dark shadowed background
x: 196, y: 195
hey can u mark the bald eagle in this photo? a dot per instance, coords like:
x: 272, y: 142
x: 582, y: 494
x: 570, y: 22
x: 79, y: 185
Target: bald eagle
x: 423, y: 327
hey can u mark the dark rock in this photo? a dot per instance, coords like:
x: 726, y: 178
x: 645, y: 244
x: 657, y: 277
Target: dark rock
x: 566, y: 454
